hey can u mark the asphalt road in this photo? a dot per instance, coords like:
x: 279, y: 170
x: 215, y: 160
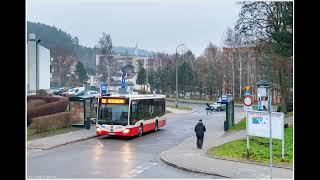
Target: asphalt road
x: 110, y: 157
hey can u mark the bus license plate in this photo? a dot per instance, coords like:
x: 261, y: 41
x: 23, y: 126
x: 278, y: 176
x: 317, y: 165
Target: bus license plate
x: 111, y: 133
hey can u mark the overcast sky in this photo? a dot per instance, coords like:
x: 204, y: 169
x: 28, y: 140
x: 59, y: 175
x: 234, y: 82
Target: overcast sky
x: 155, y: 25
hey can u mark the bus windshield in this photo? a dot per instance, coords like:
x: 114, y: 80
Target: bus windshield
x: 113, y: 114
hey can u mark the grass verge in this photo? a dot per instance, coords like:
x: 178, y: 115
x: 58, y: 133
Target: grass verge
x: 259, y: 150
x: 240, y: 125
x: 288, y: 114
x: 32, y: 134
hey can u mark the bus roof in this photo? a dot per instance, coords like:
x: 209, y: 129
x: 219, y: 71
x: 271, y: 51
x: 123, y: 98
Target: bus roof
x: 138, y: 96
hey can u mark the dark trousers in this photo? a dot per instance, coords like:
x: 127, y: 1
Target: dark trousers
x: 199, y: 142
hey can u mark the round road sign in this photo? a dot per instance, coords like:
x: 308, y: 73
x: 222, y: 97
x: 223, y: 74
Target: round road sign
x: 247, y: 101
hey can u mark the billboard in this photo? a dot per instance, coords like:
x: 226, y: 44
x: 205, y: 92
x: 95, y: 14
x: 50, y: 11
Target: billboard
x: 258, y: 124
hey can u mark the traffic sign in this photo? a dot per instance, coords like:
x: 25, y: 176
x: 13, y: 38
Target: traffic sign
x: 247, y: 87
x: 247, y: 93
x: 247, y: 101
x: 104, y: 88
x: 224, y: 98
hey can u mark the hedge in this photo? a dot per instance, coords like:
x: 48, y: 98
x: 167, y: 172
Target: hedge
x: 55, y: 104
x: 51, y: 122
x: 35, y: 103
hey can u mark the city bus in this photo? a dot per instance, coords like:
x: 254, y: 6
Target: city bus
x: 130, y: 114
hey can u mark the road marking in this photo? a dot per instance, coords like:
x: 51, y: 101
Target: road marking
x: 139, y: 169
x: 101, y: 145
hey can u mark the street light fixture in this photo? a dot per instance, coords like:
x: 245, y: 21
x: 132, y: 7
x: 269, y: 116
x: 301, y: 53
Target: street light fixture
x: 177, y: 74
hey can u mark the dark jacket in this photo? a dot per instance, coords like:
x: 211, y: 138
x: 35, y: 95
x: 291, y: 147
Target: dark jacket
x: 200, y: 129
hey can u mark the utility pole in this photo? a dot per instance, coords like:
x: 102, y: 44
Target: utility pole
x: 240, y: 95
x: 233, y: 89
x: 177, y: 75
x: 147, y: 75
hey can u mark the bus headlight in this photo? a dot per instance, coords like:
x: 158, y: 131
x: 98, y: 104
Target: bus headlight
x: 98, y: 128
x: 126, y: 131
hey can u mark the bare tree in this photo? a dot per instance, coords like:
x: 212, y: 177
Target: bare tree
x: 62, y: 68
x: 105, y: 47
x: 270, y: 23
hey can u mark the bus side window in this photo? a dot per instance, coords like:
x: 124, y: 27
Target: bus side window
x: 134, y: 116
x: 156, y: 107
x: 141, y: 109
x: 162, y: 105
x: 150, y: 108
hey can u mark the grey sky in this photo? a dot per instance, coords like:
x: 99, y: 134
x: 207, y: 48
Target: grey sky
x: 156, y: 25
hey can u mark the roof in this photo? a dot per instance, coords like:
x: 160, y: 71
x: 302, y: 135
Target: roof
x: 138, y: 96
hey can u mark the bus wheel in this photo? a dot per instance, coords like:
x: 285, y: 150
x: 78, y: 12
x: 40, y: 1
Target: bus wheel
x: 156, y: 126
x: 140, y: 130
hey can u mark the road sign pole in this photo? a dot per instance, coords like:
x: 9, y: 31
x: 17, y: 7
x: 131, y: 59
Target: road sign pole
x: 247, y: 132
x: 283, y: 139
x: 270, y: 121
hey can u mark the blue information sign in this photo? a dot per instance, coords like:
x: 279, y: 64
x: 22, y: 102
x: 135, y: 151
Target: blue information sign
x: 224, y: 98
x: 104, y: 88
x: 247, y: 93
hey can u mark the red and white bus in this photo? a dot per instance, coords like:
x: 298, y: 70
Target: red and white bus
x: 129, y: 114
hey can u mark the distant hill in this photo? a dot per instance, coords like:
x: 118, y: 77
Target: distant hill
x: 62, y: 43
x: 130, y: 51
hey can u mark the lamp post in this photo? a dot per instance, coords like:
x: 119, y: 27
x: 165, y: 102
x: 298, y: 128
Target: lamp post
x: 177, y: 75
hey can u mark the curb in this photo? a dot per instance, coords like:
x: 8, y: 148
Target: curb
x: 248, y: 162
x: 93, y: 136
x: 189, y: 169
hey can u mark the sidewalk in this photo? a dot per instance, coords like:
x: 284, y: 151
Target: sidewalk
x: 62, y: 139
x: 186, y: 156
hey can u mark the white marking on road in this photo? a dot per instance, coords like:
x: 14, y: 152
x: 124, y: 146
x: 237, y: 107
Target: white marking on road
x: 101, y: 145
x: 139, y: 169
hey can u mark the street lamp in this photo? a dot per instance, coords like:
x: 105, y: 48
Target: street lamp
x: 177, y: 75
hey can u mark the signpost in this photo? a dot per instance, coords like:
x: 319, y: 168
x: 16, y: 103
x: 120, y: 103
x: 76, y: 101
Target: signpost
x: 259, y: 124
x: 247, y: 101
x: 263, y: 122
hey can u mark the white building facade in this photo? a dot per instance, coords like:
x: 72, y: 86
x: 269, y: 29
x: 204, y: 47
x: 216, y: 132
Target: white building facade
x: 38, y: 65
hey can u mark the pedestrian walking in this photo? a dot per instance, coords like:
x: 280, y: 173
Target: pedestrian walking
x: 200, y: 128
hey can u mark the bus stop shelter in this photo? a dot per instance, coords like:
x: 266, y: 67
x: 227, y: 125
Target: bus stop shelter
x: 82, y: 110
x: 229, y: 102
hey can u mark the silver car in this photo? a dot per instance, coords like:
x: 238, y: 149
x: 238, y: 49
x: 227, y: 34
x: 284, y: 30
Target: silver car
x: 218, y: 106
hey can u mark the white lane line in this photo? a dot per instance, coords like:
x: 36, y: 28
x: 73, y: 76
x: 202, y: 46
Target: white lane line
x: 139, y: 169
x: 101, y: 145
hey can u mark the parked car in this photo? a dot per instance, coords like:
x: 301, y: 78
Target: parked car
x: 91, y: 93
x: 59, y: 91
x: 81, y: 92
x: 74, y: 91
x: 218, y: 106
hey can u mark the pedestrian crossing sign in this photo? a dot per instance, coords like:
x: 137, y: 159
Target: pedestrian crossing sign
x: 247, y: 93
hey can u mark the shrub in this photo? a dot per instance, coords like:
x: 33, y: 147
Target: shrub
x: 50, y: 122
x: 35, y: 102
x: 54, y: 104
